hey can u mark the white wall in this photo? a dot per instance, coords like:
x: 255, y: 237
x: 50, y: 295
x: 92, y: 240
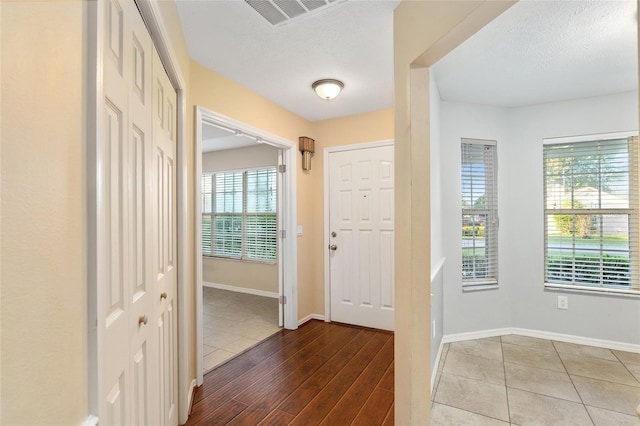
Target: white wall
x: 522, y: 301
x: 437, y: 252
x: 262, y: 155
x: 478, y: 310
x: 614, y: 318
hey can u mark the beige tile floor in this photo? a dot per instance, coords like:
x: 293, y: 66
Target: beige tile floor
x: 522, y: 381
x: 234, y: 322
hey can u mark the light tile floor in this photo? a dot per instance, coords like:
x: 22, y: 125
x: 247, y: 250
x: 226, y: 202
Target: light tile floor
x: 522, y: 381
x: 234, y: 322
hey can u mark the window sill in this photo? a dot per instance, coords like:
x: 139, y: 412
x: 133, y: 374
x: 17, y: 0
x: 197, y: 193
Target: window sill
x: 595, y: 291
x: 235, y: 259
x: 480, y: 286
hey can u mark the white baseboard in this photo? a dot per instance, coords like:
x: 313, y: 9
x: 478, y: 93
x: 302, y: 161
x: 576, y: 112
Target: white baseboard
x: 310, y: 317
x: 448, y: 338
x: 91, y: 420
x: 434, y: 371
x: 192, y: 389
x: 263, y: 293
x: 609, y: 344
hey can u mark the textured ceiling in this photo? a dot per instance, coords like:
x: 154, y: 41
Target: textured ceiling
x: 545, y: 51
x: 351, y: 41
x: 535, y: 52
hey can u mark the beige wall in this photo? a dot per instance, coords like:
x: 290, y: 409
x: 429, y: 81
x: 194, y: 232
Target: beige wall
x: 252, y: 275
x: 44, y: 288
x: 423, y: 33
x: 248, y: 275
x: 173, y: 25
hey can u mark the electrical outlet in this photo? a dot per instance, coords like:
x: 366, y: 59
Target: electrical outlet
x: 563, y: 302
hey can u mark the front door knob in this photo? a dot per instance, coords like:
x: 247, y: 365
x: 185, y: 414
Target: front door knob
x: 333, y: 247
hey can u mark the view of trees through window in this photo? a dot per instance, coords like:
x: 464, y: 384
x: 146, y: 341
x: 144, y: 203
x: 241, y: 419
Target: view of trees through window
x: 479, y: 212
x: 589, y: 211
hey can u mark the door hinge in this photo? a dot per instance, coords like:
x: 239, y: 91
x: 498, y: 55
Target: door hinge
x: 283, y: 233
x: 283, y: 300
x: 282, y: 168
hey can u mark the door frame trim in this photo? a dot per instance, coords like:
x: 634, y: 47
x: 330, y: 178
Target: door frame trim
x: 327, y: 267
x: 288, y: 249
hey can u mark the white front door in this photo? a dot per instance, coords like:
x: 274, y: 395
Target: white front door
x: 136, y: 229
x: 361, y: 226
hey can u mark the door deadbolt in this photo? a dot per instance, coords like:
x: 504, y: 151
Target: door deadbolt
x: 333, y: 234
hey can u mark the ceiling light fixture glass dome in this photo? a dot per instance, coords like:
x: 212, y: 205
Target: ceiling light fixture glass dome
x: 328, y: 88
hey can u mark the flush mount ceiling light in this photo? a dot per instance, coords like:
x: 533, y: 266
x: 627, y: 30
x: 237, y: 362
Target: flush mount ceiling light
x: 328, y: 88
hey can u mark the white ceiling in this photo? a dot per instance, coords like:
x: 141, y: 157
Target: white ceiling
x: 545, y: 51
x: 535, y: 52
x: 351, y: 41
x: 217, y: 139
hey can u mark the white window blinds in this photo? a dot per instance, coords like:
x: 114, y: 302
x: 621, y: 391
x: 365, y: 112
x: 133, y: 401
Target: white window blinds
x: 260, y: 226
x: 591, y: 214
x: 479, y: 213
x: 239, y: 214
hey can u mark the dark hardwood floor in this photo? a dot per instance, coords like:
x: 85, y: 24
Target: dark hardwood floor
x: 321, y: 374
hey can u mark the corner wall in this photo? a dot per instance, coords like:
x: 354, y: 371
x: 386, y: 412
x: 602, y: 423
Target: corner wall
x: 597, y: 316
x: 521, y: 300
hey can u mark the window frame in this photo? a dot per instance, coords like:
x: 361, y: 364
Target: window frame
x: 489, y: 211
x: 632, y: 211
x: 244, y: 215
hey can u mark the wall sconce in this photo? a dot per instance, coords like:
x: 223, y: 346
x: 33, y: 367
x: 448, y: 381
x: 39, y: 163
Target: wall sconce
x: 307, y: 148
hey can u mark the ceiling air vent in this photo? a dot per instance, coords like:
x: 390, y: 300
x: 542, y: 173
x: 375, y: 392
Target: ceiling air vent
x: 280, y: 12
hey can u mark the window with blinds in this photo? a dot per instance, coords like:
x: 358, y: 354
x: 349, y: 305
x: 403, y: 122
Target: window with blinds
x: 239, y: 214
x: 479, y: 214
x: 591, y: 214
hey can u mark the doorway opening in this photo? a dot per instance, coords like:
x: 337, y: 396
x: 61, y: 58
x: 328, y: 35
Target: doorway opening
x: 246, y: 264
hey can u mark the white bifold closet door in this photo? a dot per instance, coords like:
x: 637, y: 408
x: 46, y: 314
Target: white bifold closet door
x: 137, y: 344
